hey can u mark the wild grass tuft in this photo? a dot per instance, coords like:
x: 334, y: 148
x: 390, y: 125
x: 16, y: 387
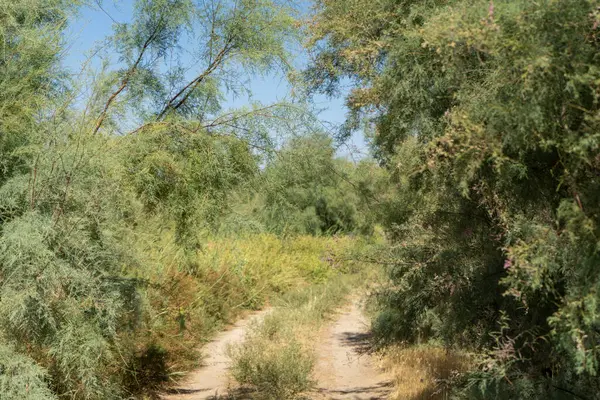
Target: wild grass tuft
x: 277, y: 368
x: 424, y: 371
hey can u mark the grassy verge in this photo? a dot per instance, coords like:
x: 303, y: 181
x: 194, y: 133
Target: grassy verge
x: 421, y: 371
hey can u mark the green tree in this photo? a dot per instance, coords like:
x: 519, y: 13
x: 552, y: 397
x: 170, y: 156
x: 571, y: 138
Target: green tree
x: 306, y: 189
x: 486, y: 115
x: 30, y: 32
x: 229, y: 41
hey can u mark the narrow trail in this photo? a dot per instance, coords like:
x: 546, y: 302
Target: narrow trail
x: 211, y: 381
x: 345, y: 370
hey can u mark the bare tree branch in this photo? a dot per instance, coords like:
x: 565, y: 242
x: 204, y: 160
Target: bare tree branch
x: 187, y: 90
x: 128, y: 76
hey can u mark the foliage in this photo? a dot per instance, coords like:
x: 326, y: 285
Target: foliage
x: 120, y: 189
x: 30, y: 37
x: 306, y: 189
x: 169, y: 168
x: 230, y: 39
x: 486, y: 115
x: 112, y: 190
x: 21, y: 377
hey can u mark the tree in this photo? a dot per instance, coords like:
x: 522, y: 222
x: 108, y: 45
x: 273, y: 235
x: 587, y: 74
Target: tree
x: 30, y: 33
x: 229, y: 39
x: 486, y: 114
x: 87, y: 191
x: 306, y: 189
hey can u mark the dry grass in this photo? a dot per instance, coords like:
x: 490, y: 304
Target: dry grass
x: 424, y: 371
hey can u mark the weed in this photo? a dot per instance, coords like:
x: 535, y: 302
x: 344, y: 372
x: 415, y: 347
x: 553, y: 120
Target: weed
x: 276, y: 369
x: 424, y: 371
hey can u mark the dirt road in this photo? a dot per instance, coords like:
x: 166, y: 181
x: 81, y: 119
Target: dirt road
x: 211, y: 381
x: 345, y: 370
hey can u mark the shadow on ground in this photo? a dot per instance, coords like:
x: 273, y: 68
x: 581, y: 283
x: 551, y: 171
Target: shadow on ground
x: 232, y: 394
x: 375, y: 392
x: 359, y: 343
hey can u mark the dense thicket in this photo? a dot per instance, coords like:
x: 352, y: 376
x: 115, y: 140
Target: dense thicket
x: 487, y: 116
x: 112, y: 189
x: 306, y: 189
x: 117, y: 191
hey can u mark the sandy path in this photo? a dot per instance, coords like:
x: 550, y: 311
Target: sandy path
x: 344, y: 369
x: 211, y: 381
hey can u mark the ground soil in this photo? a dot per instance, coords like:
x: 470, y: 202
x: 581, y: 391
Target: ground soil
x: 211, y: 380
x: 346, y: 368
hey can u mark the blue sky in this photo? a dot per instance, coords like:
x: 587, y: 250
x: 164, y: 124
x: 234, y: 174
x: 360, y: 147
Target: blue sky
x: 94, y: 23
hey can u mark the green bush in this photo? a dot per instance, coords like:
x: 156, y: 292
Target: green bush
x: 486, y: 115
x: 21, y: 377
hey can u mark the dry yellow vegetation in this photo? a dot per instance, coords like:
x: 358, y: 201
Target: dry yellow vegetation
x: 424, y: 371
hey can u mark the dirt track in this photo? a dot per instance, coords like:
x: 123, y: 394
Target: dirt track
x: 211, y: 381
x: 344, y: 369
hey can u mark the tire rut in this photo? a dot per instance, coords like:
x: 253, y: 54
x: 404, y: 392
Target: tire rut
x: 345, y: 368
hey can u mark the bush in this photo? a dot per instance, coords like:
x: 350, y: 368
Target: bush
x: 487, y: 116
x: 21, y: 378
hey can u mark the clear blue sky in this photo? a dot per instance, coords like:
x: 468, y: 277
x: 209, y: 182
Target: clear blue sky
x: 94, y: 24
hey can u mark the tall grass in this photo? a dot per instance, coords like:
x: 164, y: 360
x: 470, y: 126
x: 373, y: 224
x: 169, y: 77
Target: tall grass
x: 189, y: 297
